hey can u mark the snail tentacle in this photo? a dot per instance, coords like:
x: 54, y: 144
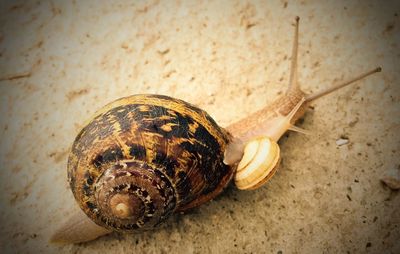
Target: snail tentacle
x: 326, y: 91
x: 293, y: 82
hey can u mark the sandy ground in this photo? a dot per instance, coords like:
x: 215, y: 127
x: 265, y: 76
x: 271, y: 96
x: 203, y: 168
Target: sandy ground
x: 60, y: 61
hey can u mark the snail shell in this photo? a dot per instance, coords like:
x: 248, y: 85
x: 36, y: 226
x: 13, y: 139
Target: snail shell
x: 259, y: 163
x: 144, y: 157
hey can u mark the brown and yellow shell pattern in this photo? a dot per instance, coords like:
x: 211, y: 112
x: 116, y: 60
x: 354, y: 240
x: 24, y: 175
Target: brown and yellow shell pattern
x: 144, y: 157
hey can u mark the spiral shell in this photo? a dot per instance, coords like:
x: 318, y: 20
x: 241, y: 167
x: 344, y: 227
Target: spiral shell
x: 259, y: 163
x: 144, y: 157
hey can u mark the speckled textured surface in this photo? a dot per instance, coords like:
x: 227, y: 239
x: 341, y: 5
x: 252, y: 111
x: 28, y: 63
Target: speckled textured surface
x: 60, y: 61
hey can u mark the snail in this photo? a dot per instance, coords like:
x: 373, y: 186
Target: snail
x: 144, y: 157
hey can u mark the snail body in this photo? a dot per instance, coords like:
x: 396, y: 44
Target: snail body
x: 142, y: 158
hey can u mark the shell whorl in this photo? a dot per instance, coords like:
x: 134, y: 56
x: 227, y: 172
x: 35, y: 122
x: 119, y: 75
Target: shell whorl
x: 132, y: 194
x: 145, y: 156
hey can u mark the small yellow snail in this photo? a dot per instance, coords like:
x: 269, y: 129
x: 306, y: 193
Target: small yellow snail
x: 144, y: 157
